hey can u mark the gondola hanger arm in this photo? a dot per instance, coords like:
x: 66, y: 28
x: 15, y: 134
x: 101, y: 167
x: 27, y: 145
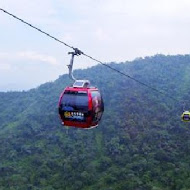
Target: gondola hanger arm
x: 77, y: 52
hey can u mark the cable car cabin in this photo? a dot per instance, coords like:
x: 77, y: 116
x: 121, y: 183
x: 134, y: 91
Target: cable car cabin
x: 185, y: 116
x: 81, y: 107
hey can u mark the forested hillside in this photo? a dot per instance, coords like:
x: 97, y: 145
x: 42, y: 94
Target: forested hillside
x: 140, y: 144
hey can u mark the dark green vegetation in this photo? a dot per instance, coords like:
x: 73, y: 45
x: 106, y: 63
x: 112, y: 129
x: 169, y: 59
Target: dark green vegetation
x: 141, y: 143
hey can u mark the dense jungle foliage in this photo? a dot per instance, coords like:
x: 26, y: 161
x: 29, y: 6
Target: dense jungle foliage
x: 140, y: 144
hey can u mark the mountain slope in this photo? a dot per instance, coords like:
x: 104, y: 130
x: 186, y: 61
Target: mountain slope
x: 140, y: 143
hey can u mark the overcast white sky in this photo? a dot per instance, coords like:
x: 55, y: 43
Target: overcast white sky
x: 108, y: 30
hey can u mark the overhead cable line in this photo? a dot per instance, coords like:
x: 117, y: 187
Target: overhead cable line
x: 56, y: 39
x: 76, y: 49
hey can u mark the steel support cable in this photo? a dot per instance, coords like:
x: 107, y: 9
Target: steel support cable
x: 78, y: 51
x: 36, y: 28
x: 132, y: 78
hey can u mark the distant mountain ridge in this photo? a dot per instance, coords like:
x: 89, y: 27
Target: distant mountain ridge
x: 141, y: 142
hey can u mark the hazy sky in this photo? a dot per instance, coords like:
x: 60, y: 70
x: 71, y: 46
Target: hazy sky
x: 108, y: 30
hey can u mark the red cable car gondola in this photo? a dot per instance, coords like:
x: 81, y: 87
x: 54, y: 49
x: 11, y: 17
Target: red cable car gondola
x: 80, y: 105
